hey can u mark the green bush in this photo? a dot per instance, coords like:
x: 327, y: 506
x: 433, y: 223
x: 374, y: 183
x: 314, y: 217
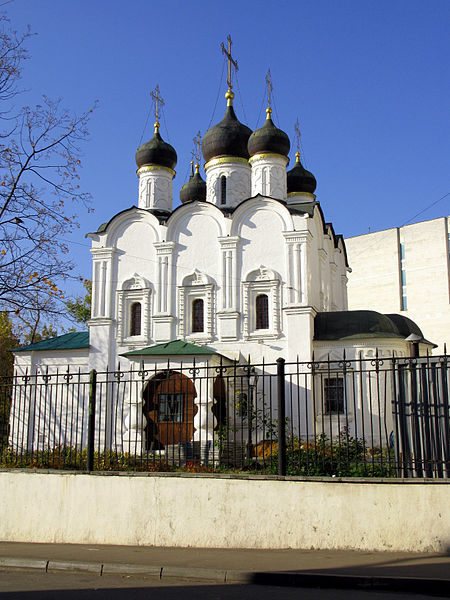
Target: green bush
x: 343, y: 457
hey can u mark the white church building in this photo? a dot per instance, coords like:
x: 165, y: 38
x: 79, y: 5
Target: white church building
x: 246, y: 266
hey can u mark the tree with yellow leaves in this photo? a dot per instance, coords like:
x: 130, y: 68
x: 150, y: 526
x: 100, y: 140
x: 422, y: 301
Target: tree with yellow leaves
x: 39, y: 187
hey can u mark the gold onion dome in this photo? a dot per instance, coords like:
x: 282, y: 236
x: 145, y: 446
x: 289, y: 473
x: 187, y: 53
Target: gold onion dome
x: 156, y: 152
x: 227, y: 138
x: 299, y: 179
x: 269, y: 139
x: 194, y: 189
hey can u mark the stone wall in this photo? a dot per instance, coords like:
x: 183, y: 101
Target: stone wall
x: 224, y: 511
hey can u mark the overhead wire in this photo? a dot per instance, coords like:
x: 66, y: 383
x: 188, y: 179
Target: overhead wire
x: 145, y: 126
x: 238, y: 279
x: 218, y: 94
x: 240, y: 97
x: 379, y: 239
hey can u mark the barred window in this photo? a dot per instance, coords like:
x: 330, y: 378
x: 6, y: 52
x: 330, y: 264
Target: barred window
x: 333, y: 388
x: 223, y: 190
x: 135, y: 319
x: 170, y: 408
x: 197, y: 316
x: 262, y: 311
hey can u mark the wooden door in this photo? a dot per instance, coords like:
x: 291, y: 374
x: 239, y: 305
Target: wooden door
x: 170, y: 410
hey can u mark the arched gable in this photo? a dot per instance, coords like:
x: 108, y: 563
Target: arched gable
x: 250, y: 206
x: 182, y: 213
x: 119, y: 223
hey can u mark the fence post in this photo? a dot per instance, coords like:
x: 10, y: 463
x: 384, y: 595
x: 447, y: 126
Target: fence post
x: 91, y: 420
x: 281, y: 417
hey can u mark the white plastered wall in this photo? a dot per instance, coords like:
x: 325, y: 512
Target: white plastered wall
x: 133, y: 510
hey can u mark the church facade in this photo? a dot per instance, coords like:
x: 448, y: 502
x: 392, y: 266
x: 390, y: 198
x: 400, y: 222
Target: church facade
x: 244, y: 271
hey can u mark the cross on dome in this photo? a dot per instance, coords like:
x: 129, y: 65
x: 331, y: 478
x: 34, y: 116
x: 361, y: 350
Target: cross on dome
x: 297, y: 136
x: 231, y: 61
x: 197, y: 143
x: 158, y: 100
x: 269, y: 91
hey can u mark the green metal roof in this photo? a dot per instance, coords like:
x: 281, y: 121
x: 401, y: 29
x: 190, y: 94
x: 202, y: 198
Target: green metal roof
x: 68, y: 341
x: 176, y: 347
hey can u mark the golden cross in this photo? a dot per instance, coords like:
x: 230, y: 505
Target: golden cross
x: 197, y: 141
x: 269, y: 87
x: 231, y: 60
x: 298, y: 134
x: 158, y: 101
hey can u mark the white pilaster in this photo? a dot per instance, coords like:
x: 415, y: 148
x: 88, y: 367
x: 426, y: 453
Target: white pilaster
x: 297, y: 248
x: 228, y: 317
x: 163, y: 320
x: 102, y: 282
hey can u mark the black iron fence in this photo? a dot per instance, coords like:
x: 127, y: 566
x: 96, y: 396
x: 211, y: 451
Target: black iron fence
x: 378, y: 417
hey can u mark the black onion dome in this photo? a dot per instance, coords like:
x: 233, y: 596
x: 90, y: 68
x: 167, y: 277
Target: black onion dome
x: 227, y: 138
x: 156, y: 152
x: 194, y: 189
x: 269, y: 139
x: 299, y: 179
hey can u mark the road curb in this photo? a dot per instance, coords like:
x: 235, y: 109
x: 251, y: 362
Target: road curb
x: 23, y: 563
x: 424, y: 585
x: 73, y: 565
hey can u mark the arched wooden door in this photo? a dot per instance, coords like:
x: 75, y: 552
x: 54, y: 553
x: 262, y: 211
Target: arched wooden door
x: 170, y: 409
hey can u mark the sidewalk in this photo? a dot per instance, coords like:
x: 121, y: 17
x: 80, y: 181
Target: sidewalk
x: 425, y: 573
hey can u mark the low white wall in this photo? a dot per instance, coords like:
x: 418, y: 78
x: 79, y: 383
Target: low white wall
x: 221, y: 512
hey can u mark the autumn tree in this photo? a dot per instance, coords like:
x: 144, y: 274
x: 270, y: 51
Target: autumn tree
x: 39, y: 189
x: 8, y: 341
x: 80, y: 308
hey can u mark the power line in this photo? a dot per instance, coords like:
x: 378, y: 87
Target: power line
x: 218, y: 94
x: 377, y: 242
x: 238, y: 279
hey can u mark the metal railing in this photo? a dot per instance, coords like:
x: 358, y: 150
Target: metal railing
x: 378, y: 417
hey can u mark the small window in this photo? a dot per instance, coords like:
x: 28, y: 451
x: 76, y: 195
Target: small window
x: 170, y: 408
x: 333, y: 388
x: 135, y: 319
x: 262, y: 311
x: 223, y: 190
x: 404, y: 304
x: 197, y: 316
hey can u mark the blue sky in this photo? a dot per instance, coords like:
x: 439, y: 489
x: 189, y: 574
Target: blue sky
x: 368, y: 81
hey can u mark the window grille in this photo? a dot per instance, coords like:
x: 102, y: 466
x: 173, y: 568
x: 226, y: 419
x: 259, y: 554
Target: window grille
x: 333, y: 388
x: 262, y: 311
x: 197, y: 316
x: 170, y: 408
x: 135, y: 319
x: 223, y: 190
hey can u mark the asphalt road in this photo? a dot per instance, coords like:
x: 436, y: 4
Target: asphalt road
x: 18, y: 584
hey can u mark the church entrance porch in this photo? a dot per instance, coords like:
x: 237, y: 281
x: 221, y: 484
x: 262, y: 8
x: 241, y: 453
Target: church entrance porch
x: 169, y: 406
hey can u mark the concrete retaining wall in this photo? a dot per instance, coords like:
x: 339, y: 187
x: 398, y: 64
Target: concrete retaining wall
x: 224, y: 512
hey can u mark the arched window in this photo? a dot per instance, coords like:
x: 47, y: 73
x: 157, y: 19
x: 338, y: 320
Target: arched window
x: 197, y: 316
x: 262, y: 311
x: 135, y: 318
x: 223, y: 190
